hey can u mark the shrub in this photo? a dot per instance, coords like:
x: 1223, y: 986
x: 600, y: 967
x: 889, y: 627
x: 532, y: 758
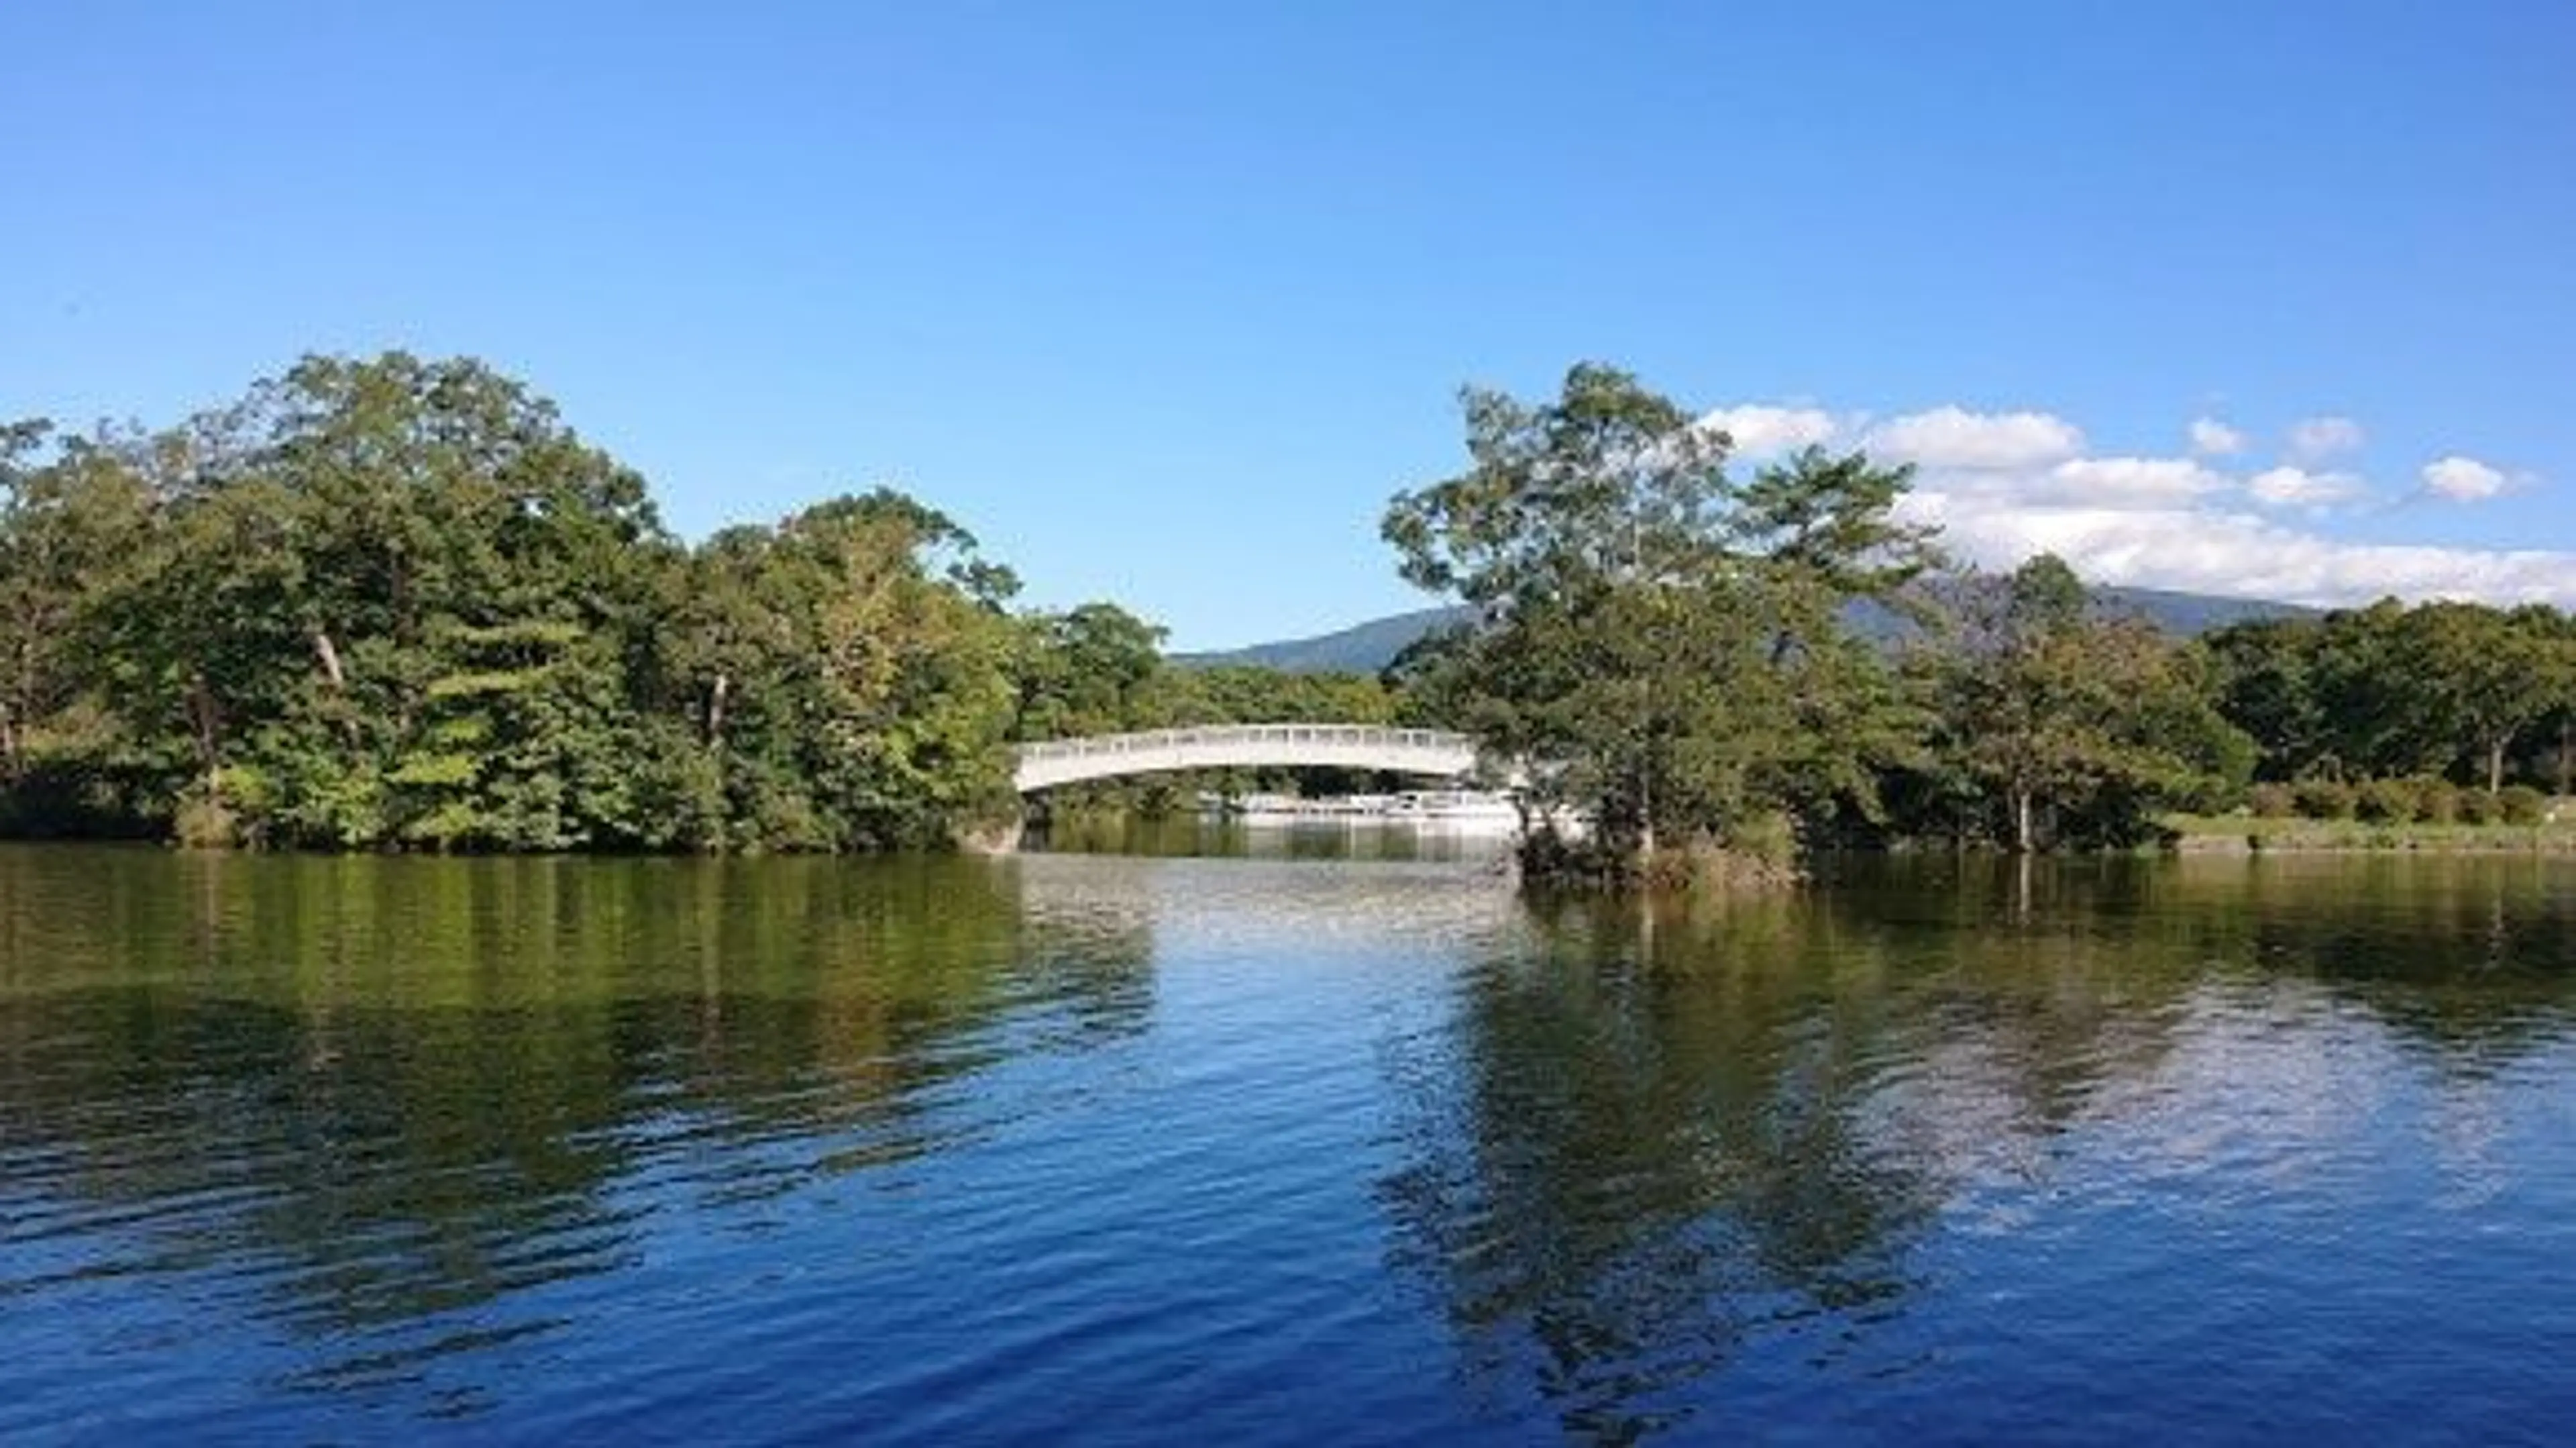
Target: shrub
x: 2325, y: 799
x: 2437, y: 801
x: 2206, y: 794
x: 2272, y: 801
x: 2520, y: 804
x: 2385, y: 801
x: 204, y: 823
x: 2478, y: 807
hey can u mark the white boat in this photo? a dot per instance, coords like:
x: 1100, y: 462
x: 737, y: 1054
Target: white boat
x: 1282, y: 809
x: 1461, y: 810
x: 1473, y: 810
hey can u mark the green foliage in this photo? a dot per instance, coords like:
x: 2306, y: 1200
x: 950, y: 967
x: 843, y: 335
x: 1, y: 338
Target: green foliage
x: 2326, y: 799
x: 1248, y: 694
x: 398, y: 603
x: 1659, y: 644
x: 2060, y: 728
x: 1095, y: 669
x: 2387, y: 691
x: 395, y: 602
x: 2272, y: 801
x: 204, y: 822
x: 2520, y: 804
x: 2387, y: 801
x: 2437, y: 801
x: 2044, y: 597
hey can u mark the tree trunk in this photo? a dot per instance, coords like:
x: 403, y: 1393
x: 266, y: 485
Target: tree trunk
x: 328, y: 654
x: 716, y: 707
x: 8, y: 744
x: 330, y: 657
x: 2021, y: 804
x: 207, y: 725
x: 2495, y: 763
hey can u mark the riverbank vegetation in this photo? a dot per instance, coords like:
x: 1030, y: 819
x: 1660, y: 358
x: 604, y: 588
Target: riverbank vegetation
x: 2240, y: 832
x: 394, y: 603
x: 1674, y: 640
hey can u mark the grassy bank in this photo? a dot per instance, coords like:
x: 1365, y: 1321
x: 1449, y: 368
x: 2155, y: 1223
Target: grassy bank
x: 2210, y: 833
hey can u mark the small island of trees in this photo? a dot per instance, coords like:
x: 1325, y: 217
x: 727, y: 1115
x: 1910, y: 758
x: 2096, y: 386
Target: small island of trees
x: 399, y: 604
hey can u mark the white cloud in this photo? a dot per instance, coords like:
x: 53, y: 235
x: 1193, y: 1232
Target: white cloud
x: 2112, y: 482
x: 2005, y: 485
x: 2463, y: 480
x: 2289, y: 487
x: 1953, y: 437
x: 2109, y: 481
x: 2208, y: 550
x: 2312, y: 438
x: 2211, y: 438
x: 1759, y: 429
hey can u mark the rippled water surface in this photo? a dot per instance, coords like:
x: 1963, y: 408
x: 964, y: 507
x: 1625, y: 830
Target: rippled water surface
x: 1102, y: 1148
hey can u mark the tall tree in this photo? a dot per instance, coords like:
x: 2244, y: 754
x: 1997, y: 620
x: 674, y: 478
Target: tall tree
x: 2066, y: 718
x: 1653, y: 643
x: 2266, y: 675
x: 389, y: 601
x: 2557, y: 632
x: 1088, y: 670
x: 2481, y: 677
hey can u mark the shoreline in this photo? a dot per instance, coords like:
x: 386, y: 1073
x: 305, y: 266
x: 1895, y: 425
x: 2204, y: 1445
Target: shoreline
x: 2200, y: 835
x: 2205, y: 836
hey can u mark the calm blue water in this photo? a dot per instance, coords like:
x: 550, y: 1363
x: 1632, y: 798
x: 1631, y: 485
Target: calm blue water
x: 1119, y: 1149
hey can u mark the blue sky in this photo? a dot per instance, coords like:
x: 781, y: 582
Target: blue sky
x: 1165, y: 300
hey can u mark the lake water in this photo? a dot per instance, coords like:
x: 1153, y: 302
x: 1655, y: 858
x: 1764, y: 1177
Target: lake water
x: 1127, y: 1149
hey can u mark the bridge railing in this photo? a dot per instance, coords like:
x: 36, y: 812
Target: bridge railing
x: 1348, y: 736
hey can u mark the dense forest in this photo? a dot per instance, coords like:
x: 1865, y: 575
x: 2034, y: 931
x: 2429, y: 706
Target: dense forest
x: 397, y: 603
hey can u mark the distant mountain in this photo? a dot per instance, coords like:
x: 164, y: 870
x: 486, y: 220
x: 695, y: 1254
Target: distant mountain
x: 2192, y: 614
x: 1360, y: 649
x: 1368, y: 647
x: 2184, y: 615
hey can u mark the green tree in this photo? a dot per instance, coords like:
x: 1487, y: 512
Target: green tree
x: 1652, y: 642
x: 2064, y: 719
x: 2481, y: 677
x: 1089, y: 670
x: 66, y: 526
x: 2557, y: 632
x: 914, y: 692
x: 846, y: 680
x: 390, y: 601
x: 2379, y: 723
x: 2266, y: 681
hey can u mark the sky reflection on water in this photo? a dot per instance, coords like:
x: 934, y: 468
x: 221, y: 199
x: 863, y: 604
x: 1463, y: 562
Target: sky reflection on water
x: 1268, y: 1150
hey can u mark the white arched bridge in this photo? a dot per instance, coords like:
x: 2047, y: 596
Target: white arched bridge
x: 1434, y: 753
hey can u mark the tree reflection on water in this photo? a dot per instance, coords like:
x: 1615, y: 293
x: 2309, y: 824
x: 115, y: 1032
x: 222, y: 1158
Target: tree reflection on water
x: 1646, y: 1166
x: 1655, y: 1139
x: 405, y: 1088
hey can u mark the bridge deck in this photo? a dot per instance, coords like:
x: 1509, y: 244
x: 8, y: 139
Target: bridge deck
x: 1432, y: 752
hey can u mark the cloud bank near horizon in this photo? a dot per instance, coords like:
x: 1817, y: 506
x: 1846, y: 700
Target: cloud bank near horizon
x: 2208, y: 518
